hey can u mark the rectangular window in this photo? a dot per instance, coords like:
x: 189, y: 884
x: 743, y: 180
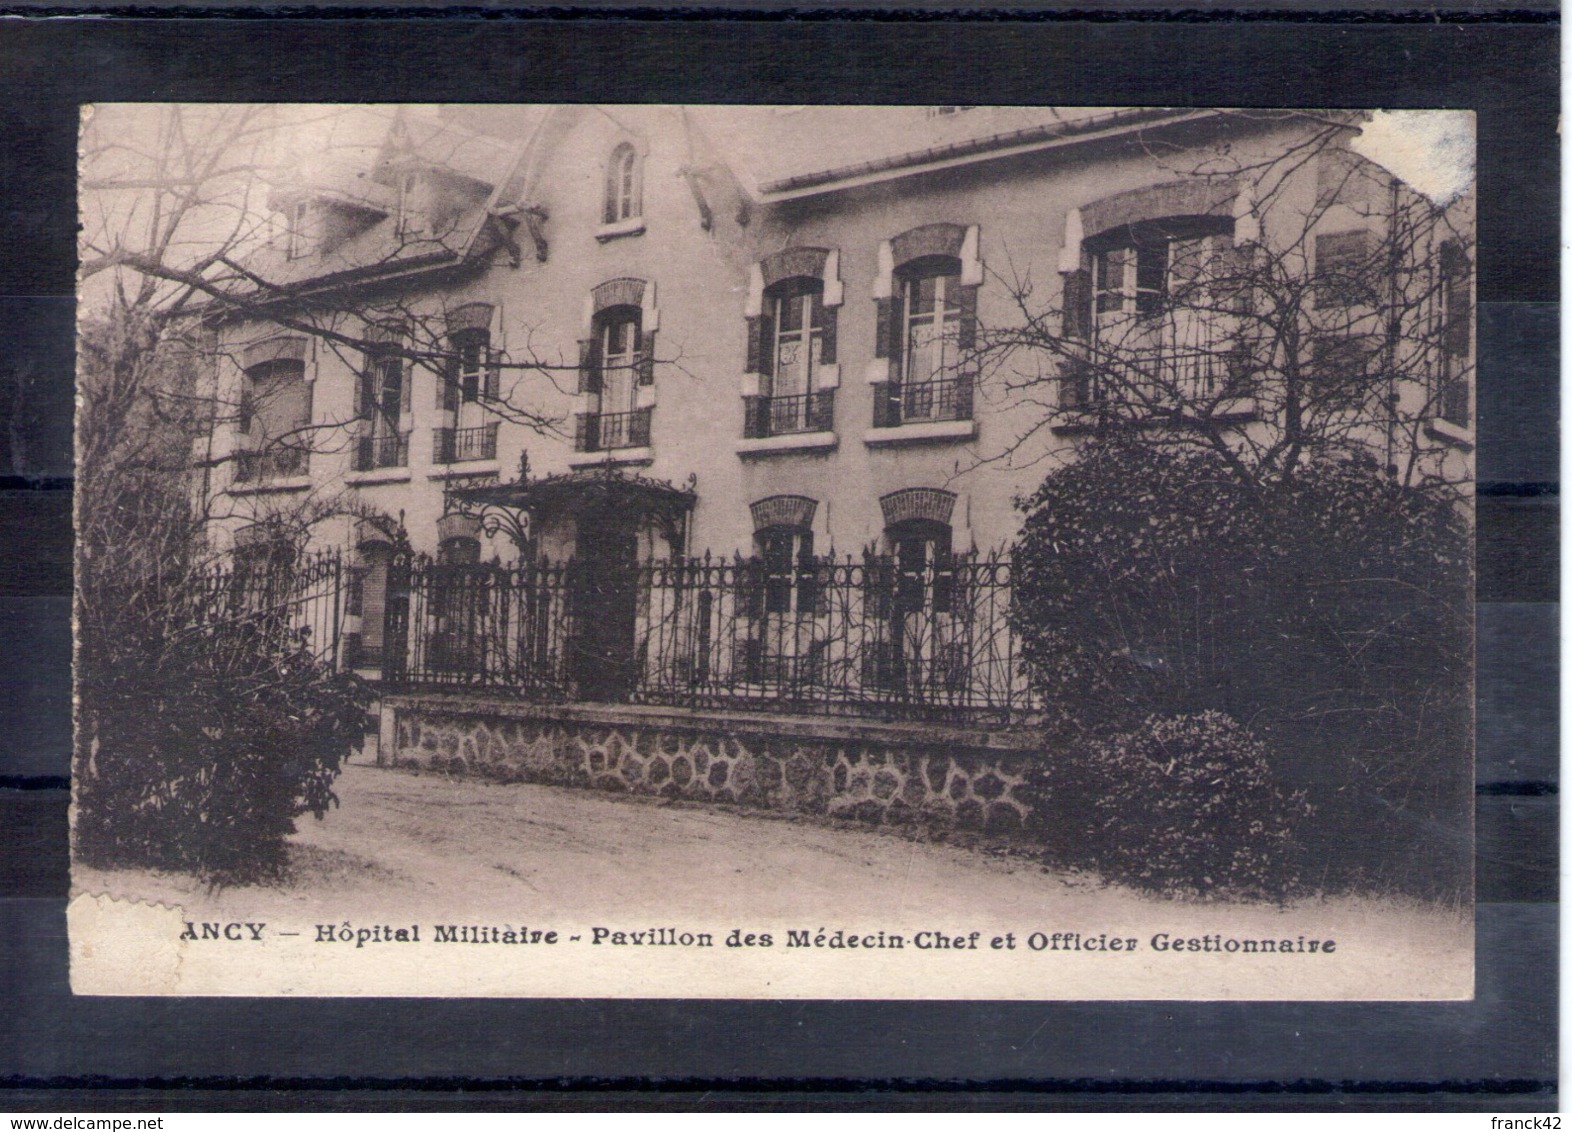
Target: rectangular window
x: 1344, y: 271
x: 275, y: 414
x: 789, y: 571
x: 799, y: 334
x: 1131, y: 278
x: 300, y: 238
x: 389, y: 379
x: 619, y: 355
x: 471, y: 369
x: 384, y: 400
x: 932, y: 320
x: 410, y: 220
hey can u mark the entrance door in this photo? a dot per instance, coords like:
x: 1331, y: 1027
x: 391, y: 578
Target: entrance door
x: 605, y: 606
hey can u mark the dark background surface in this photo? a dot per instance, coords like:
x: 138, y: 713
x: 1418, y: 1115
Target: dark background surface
x: 1495, y: 1053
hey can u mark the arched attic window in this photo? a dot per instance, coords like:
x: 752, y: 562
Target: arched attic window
x: 624, y: 186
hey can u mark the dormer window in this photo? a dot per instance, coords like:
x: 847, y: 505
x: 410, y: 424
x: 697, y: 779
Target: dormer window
x: 411, y: 217
x: 623, y: 202
x: 300, y: 229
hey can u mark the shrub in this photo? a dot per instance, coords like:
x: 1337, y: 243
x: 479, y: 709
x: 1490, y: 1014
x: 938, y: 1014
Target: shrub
x: 200, y: 748
x: 1331, y: 610
x: 1183, y: 804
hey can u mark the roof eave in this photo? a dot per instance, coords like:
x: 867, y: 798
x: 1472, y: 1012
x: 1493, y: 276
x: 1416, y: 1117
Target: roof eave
x: 964, y: 153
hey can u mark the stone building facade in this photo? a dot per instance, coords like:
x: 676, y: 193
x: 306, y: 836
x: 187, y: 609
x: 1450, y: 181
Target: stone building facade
x: 620, y: 334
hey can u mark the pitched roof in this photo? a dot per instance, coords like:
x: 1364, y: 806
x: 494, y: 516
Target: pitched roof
x: 780, y: 152
x: 351, y: 157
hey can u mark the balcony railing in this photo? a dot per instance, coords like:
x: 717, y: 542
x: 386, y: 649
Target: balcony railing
x: 603, y: 432
x: 1155, y: 378
x: 457, y: 445
x: 373, y: 452
x: 781, y: 416
x: 270, y: 464
x: 946, y: 400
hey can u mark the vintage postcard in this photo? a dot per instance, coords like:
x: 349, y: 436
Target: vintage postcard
x: 920, y: 552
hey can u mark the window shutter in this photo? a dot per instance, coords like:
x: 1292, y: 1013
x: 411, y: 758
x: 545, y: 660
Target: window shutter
x: 807, y: 576
x: 589, y: 365
x: 755, y: 418
x: 943, y: 580
x: 823, y: 580
x: 367, y: 392
x: 448, y: 382
x: 767, y: 343
x: 1077, y: 321
x: 827, y: 344
x: 966, y: 324
x: 883, y: 343
x: 405, y: 381
x: 896, y: 334
x: 309, y: 408
x: 647, y: 359
x: 878, y: 584
x: 750, y: 579
x: 886, y: 405
x: 1343, y: 268
x: 1236, y: 271
x: 755, y: 345
x: 493, y: 373
x: 243, y: 422
x: 1459, y: 300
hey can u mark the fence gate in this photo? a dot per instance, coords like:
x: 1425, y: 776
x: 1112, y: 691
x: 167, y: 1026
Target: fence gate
x: 603, y: 596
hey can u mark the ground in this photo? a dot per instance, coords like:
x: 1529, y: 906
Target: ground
x: 406, y: 848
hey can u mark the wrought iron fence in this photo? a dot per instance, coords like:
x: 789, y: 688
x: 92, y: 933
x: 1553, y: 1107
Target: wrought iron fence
x: 274, y: 601
x: 826, y: 635
x: 601, y: 432
x: 490, y: 626
x: 456, y: 445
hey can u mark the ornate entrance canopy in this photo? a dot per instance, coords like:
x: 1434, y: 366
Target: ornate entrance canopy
x: 610, y: 493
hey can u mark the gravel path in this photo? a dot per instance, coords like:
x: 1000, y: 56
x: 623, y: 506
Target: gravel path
x: 428, y: 849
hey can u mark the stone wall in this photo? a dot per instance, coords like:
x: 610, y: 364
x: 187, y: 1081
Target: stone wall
x: 880, y: 773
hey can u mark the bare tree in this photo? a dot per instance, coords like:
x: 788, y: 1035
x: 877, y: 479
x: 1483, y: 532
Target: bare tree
x: 200, y: 227
x: 1305, y: 304
x: 1263, y: 397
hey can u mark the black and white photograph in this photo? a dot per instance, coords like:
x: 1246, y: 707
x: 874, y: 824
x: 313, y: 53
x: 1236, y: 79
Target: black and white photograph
x: 774, y: 551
